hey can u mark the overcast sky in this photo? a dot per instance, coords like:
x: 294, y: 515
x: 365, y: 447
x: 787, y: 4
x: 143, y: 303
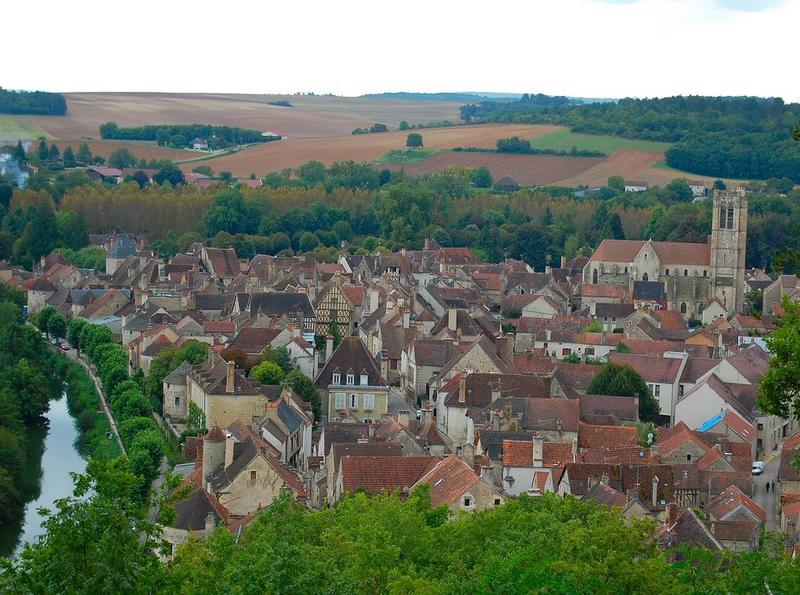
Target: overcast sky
x: 589, y: 48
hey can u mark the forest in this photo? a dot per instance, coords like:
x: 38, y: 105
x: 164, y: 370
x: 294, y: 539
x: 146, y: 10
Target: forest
x: 32, y: 102
x: 182, y: 135
x: 319, y: 209
x: 732, y: 137
x: 378, y: 544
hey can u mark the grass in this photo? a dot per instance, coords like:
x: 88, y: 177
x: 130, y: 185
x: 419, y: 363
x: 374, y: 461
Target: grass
x: 21, y: 127
x: 564, y: 140
x: 405, y: 156
x: 102, y: 447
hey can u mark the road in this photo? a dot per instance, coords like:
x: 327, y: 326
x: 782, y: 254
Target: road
x: 768, y: 500
x: 398, y: 403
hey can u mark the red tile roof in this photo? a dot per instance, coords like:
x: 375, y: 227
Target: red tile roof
x: 375, y: 474
x: 662, y: 370
x: 591, y: 436
x: 729, y: 500
x: 448, y: 480
x: 625, y: 251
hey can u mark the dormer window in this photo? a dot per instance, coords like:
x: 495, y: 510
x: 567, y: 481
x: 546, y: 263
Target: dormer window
x: 351, y: 379
x: 364, y: 380
x: 337, y: 378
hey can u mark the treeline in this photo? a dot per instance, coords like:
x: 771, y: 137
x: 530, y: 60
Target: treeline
x: 25, y: 392
x: 182, y: 135
x: 494, y: 109
x: 382, y: 544
x: 32, y: 102
x: 739, y: 137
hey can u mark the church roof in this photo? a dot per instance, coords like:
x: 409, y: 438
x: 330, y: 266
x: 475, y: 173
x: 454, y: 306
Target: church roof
x: 668, y: 252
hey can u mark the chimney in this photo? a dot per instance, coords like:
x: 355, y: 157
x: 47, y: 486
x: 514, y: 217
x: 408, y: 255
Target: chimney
x: 452, y: 319
x: 468, y: 453
x: 505, y: 348
x: 462, y: 387
x: 229, y: 388
x: 403, y: 417
x: 563, y: 262
x: 497, y: 389
x: 654, y: 495
x: 574, y: 450
x: 229, y: 442
x: 427, y: 412
x: 211, y: 524
x: 538, y: 451
x: 713, y: 528
x: 406, y: 318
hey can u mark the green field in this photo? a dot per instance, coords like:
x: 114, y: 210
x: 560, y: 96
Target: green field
x: 20, y: 127
x: 405, y: 156
x: 564, y: 140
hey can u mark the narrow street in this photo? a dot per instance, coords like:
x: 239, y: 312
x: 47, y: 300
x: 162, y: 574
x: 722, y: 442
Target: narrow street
x: 398, y: 403
x: 768, y: 500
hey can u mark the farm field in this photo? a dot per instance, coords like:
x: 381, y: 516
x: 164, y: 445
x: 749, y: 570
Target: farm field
x: 311, y: 116
x: 405, y: 156
x: 293, y: 152
x: 529, y: 170
x: 564, y: 140
x: 13, y: 128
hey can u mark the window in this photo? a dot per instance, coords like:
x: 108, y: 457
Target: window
x: 680, y: 390
x: 626, y: 270
x: 353, y: 401
x: 351, y: 379
x: 594, y: 277
x: 705, y: 273
x: 369, y: 402
x: 685, y: 272
x: 497, y: 501
x: 667, y: 272
x: 253, y: 475
x: 589, y: 351
x: 392, y: 364
x: 730, y: 218
x: 645, y: 277
x: 760, y: 427
x: 566, y: 351
x: 337, y: 378
x: 364, y: 380
x: 340, y: 402
x: 683, y: 307
x: 726, y: 217
x: 467, y: 502
x: 656, y: 390
x: 177, y: 401
x: 689, y: 457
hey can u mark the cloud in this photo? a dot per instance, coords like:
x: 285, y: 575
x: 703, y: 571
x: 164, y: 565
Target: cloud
x: 729, y: 5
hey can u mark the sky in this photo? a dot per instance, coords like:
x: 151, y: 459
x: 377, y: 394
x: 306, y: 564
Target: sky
x: 583, y: 48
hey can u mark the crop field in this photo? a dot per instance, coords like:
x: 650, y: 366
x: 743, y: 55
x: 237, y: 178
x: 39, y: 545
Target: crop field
x: 564, y: 140
x: 310, y: 116
x: 529, y: 170
x: 293, y: 152
x: 142, y: 150
x: 13, y: 128
x: 405, y: 156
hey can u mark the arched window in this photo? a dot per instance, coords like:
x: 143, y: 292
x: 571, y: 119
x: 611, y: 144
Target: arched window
x: 594, y: 277
x: 667, y: 272
x: 685, y: 272
x: 645, y: 277
x: 683, y: 307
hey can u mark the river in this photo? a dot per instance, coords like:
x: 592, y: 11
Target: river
x: 60, y: 458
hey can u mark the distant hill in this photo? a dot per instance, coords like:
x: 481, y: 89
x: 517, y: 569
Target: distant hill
x: 460, y: 97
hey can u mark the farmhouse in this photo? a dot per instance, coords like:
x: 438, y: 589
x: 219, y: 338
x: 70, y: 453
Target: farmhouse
x: 635, y: 186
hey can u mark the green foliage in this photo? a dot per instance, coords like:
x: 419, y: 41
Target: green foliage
x: 482, y: 177
x: 622, y: 348
x: 594, y: 327
x: 414, y: 140
x: 305, y: 389
x: 779, y: 389
x: 165, y: 362
x: 74, y: 329
x: 279, y: 356
x: 73, y: 232
x: 181, y: 135
x: 122, y: 158
x: 623, y: 381
x: 57, y: 326
x: 572, y: 358
x: 89, y: 257
x: 32, y: 102
x: 230, y: 214
x: 268, y: 372
x: 169, y: 173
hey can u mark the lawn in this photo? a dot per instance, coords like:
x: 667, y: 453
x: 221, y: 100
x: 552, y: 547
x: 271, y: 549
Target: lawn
x: 20, y: 127
x: 405, y: 156
x: 564, y: 140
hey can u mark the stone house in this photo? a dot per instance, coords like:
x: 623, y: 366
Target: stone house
x: 454, y: 484
x: 175, y: 403
x: 286, y: 426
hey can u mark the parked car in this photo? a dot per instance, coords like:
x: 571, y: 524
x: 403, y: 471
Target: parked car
x: 64, y: 345
x: 758, y: 467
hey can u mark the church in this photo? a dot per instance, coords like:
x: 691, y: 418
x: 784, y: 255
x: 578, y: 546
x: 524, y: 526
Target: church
x: 692, y: 274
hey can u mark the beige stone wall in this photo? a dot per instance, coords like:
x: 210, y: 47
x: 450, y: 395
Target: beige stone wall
x: 481, y: 495
x: 223, y: 410
x: 246, y: 495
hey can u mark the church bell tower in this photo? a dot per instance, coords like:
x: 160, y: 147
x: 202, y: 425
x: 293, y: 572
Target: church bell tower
x: 728, y: 243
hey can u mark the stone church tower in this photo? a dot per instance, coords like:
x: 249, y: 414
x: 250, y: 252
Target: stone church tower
x: 728, y: 242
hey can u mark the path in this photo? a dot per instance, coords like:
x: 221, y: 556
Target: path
x: 764, y: 499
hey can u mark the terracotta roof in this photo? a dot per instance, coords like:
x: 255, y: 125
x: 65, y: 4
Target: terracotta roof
x: 625, y: 251
x: 376, y: 474
x: 517, y: 453
x: 254, y: 339
x: 364, y: 449
x: 608, y: 410
x: 740, y: 531
x: 40, y: 284
x: 591, y: 436
x: 224, y: 262
x: 605, y: 495
x: 752, y: 363
x: 448, y: 480
x: 678, y: 435
x: 787, y: 471
x: 603, y: 291
x: 219, y: 326
x: 479, y: 388
x: 729, y: 500
x: 663, y: 370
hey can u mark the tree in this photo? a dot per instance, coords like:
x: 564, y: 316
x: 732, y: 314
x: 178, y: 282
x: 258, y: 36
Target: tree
x: 43, y: 318
x: 42, y: 151
x: 414, y: 140
x: 305, y: 389
x: 312, y: 172
x: 98, y: 539
x: 280, y: 356
x: 57, y: 325
x: 403, y: 125
x: 616, y: 183
x: 84, y: 154
x: 140, y: 178
x: 205, y: 170
x: 9, y: 314
x: 230, y: 214
x: 170, y: 173
x: 268, y: 372
x: 19, y: 152
x: 31, y: 387
x: 53, y: 154
x: 779, y: 390
x: 121, y: 158
x: 69, y: 157
x: 72, y: 230
x: 482, y: 177
x: 623, y: 381
x: 74, y: 328
x: 308, y: 241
